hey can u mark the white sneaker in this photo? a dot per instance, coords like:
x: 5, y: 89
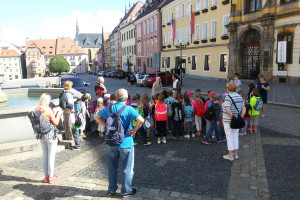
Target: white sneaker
x: 236, y: 157
x: 164, y: 141
x: 227, y: 157
x: 213, y: 136
x: 241, y: 134
x: 187, y: 136
x: 193, y: 134
x: 158, y: 141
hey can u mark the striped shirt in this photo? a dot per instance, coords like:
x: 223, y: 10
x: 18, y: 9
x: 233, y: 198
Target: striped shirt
x: 228, y: 104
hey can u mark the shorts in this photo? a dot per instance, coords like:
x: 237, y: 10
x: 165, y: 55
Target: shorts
x: 82, y: 127
x: 101, y: 128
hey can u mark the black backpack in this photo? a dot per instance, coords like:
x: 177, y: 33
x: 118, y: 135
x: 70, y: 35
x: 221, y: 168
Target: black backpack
x: 177, y: 112
x: 39, y: 124
x: 114, y: 130
x: 209, y: 114
x: 63, y: 99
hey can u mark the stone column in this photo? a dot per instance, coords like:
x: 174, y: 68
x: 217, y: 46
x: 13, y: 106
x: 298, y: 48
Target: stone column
x: 233, y: 49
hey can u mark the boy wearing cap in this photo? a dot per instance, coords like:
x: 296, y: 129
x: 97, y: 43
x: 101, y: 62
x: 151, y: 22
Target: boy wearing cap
x: 216, y: 121
x: 75, y: 129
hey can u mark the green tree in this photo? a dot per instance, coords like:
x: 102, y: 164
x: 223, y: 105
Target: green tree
x: 58, y: 64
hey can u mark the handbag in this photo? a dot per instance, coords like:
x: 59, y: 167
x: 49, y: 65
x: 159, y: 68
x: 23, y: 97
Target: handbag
x: 236, y: 122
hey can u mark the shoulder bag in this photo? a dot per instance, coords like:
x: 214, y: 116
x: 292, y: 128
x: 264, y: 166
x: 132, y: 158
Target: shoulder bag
x: 236, y: 122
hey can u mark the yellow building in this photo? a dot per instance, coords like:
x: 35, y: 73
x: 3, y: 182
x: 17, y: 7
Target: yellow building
x: 258, y: 30
x: 203, y: 53
x: 128, y: 47
x: 35, y: 60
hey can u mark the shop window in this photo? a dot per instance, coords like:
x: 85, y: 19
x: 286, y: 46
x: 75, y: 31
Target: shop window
x: 288, y: 37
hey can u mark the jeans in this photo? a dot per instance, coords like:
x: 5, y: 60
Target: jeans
x: 213, y: 128
x: 232, y: 136
x: 126, y: 156
x: 77, y: 138
x: 208, y: 126
x: 144, y: 134
x: 177, y: 128
x: 170, y: 123
x: 49, y: 151
x: 189, y: 126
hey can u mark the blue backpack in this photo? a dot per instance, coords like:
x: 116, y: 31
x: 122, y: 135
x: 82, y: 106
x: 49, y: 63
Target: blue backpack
x: 114, y: 130
x: 259, y: 104
x: 188, y: 111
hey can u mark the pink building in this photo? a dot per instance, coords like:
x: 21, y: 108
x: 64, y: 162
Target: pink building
x: 149, y: 37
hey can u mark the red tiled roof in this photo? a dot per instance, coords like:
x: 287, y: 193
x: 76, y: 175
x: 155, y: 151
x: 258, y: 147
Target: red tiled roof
x: 8, y: 53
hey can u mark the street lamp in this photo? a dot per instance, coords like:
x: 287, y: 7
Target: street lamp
x: 181, y: 47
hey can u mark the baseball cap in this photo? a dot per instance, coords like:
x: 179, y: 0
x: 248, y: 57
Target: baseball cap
x: 69, y: 106
x: 100, y: 100
x: 219, y: 96
x: 189, y: 93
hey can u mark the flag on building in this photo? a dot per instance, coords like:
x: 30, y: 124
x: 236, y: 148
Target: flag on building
x: 192, y: 23
x: 173, y: 28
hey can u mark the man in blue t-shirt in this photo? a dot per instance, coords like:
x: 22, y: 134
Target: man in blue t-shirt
x: 124, y: 151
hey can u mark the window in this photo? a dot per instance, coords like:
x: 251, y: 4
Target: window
x: 205, y: 4
x: 164, y: 19
x: 194, y: 62
x: 151, y: 25
x: 16, y: 70
x: 288, y: 37
x: 182, y: 10
x: 213, y: 28
x: 148, y: 27
x: 223, y: 62
x: 166, y: 62
x: 147, y: 62
x: 73, y: 63
x: 188, y: 36
x: 225, y: 23
x: 16, y: 76
x: 205, y: 31
x: 170, y: 38
x: 206, y: 62
x: 251, y: 5
x: 182, y: 35
x: 177, y: 12
x: 177, y: 36
x: 164, y: 39
x: 188, y: 8
x: 197, y: 32
x: 169, y: 16
x: 144, y: 27
x: 198, y: 5
x: 155, y: 24
x: 214, y: 2
x: 139, y: 62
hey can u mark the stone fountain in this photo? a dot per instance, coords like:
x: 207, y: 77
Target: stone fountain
x: 3, y: 96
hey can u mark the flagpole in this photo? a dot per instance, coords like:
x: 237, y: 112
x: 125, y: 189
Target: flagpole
x: 191, y: 23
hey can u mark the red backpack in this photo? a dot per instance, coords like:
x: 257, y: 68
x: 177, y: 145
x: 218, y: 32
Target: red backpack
x: 200, y: 108
x: 161, y: 112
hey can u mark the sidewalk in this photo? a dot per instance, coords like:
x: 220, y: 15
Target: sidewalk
x: 279, y: 93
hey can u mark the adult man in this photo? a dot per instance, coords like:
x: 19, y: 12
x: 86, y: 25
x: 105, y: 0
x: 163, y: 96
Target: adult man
x: 176, y: 85
x: 124, y: 151
x: 100, y: 85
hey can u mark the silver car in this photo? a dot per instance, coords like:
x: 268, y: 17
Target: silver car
x: 141, y: 80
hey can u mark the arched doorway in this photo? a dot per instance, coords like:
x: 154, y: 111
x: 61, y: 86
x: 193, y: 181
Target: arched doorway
x: 251, y: 53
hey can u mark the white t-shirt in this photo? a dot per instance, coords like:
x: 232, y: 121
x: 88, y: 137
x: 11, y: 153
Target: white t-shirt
x: 72, y: 119
x: 175, y: 83
x: 83, y: 109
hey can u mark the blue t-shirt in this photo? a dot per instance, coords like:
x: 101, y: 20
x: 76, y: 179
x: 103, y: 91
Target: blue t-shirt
x: 127, y: 116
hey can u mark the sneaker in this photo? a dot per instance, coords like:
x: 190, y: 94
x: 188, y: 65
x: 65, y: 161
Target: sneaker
x: 213, y: 136
x: 227, y: 157
x: 75, y: 149
x: 130, y: 194
x: 255, y: 130
x: 193, y: 134
x: 205, y: 142
x: 147, y: 144
x: 222, y: 140
x: 135, y: 143
x: 174, y: 138
x: 46, y: 180
x: 236, y: 157
x: 54, y: 178
x: 164, y: 141
x: 241, y: 134
x: 250, y: 131
x: 111, y: 194
x: 187, y: 136
x: 158, y: 141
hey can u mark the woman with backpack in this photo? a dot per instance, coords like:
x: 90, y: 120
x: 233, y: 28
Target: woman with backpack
x: 188, y: 116
x: 199, y: 112
x: 161, y: 119
x: 48, y: 140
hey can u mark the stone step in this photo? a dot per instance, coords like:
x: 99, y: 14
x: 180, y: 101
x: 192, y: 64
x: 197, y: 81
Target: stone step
x: 19, y: 147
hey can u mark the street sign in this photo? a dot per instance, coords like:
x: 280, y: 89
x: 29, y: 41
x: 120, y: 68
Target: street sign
x: 281, y: 52
x: 96, y: 63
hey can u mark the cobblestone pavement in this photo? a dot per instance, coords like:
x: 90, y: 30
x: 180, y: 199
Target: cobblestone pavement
x: 268, y: 166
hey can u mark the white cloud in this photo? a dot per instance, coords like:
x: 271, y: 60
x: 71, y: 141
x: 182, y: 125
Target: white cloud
x: 88, y: 23
x: 53, y: 27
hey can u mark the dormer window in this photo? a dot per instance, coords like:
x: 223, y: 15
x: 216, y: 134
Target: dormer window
x: 64, y: 46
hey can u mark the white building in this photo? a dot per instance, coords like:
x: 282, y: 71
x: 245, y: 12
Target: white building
x: 10, y: 64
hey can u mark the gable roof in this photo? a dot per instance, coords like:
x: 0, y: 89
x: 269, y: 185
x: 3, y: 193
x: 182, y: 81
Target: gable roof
x: 88, y: 40
x: 9, y: 53
x: 46, y: 46
x: 133, y: 11
x: 66, y: 46
x: 148, y: 8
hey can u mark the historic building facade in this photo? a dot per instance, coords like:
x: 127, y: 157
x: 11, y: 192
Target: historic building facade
x: 112, y: 51
x: 128, y: 36
x: 107, y: 64
x: 195, y: 37
x: 264, y: 39
x: 10, y: 63
x: 148, y: 41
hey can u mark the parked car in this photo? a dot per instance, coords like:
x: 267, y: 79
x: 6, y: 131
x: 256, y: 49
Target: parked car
x: 105, y: 73
x: 166, y: 78
x: 78, y: 84
x: 91, y: 72
x: 120, y: 74
x: 141, y: 81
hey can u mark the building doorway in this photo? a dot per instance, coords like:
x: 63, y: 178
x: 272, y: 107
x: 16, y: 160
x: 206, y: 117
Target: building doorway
x: 251, y: 53
x: 144, y: 68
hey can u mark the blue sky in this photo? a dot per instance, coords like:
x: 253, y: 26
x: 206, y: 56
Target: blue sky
x: 34, y: 19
